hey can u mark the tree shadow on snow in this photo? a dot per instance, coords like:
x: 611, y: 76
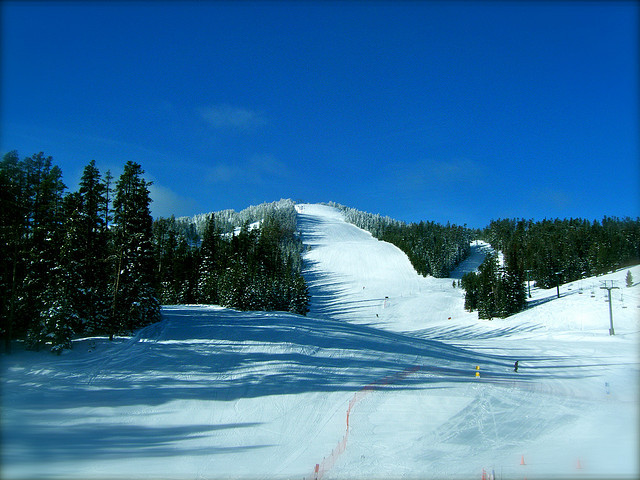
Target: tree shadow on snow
x: 218, y: 354
x: 213, y: 354
x: 95, y: 441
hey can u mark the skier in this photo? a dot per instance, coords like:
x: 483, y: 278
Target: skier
x: 515, y: 366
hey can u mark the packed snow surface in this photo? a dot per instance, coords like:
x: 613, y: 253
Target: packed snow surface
x: 387, y: 377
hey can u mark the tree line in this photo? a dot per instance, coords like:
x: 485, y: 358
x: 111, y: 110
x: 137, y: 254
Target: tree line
x: 257, y: 266
x: 559, y: 251
x: 95, y: 262
x: 550, y: 253
x: 432, y: 248
x: 73, y: 263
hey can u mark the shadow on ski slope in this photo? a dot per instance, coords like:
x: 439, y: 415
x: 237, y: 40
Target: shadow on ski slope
x: 91, y: 440
x: 214, y: 354
x: 218, y: 354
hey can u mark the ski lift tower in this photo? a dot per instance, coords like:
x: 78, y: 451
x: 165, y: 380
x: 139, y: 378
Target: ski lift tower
x: 558, y: 280
x: 609, y: 288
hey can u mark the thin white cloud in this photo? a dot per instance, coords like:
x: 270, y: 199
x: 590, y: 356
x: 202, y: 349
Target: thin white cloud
x: 258, y: 169
x: 222, y: 173
x: 226, y: 116
x: 437, y: 172
x: 166, y: 202
x: 268, y: 165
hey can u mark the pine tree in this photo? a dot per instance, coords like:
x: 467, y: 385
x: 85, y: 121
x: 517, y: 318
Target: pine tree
x: 13, y: 241
x: 513, y: 293
x: 45, y: 189
x: 209, y: 264
x: 471, y: 285
x: 108, y: 196
x: 629, y: 279
x: 93, y: 249
x: 186, y: 263
x: 55, y: 319
x: 488, y: 287
x: 168, y: 269
x: 299, y: 302
x: 135, y: 302
x: 71, y: 280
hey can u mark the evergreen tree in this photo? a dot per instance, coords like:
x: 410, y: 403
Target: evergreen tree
x: 13, y: 243
x: 513, y: 295
x: 55, y: 320
x: 167, y: 269
x: 629, y: 279
x: 471, y: 285
x: 210, y: 267
x: 108, y: 197
x: 71, y: 280
x: 488, y: 288
x: 59, y: 272
x: 135, y: 302
x: 186, y: 263
x: 299, y: 301
x: 496, y: 291
x: 93, y: 250
x: 45, y: 189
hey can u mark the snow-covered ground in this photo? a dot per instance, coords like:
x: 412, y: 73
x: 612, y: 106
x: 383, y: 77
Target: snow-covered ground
x: 379, y: 380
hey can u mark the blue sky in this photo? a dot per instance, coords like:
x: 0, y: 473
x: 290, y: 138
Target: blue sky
x: 441, y: 111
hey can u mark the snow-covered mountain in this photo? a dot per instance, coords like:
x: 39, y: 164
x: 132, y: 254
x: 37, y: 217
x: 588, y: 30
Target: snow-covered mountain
x: 388, y: 376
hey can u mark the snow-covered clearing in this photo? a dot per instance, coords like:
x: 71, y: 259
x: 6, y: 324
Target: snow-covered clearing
x: 379, y: 380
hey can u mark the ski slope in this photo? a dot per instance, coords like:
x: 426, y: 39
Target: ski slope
x: 379, y: 380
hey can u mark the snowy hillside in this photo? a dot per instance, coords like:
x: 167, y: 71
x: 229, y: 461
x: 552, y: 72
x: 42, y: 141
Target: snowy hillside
x: 387, y: 377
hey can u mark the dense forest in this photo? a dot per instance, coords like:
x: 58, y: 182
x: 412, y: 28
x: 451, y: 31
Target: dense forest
x: 73, y: 263
x: 433, y: 249
x: 208, y: 259
x: 560, y: 251
x: 549, y: 252
x: 95, y: 262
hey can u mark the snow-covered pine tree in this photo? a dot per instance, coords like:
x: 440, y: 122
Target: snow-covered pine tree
x: 471, y: 284
x: 93, y: 250
x: 167, y: 269
x: 56, y: 319
x: 210, y: 252
x: 44, y: 194
x: 73, y: 257
x: 511, y: 292
x: 299, y: 302
x: 488, y: 287
x: 13, y: 241
x: 135, y: 302
x: 165, y: 244
x: 186, y: 261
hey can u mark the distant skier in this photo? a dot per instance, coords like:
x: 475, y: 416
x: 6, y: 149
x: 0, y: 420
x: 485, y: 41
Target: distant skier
x: 515, y: 366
